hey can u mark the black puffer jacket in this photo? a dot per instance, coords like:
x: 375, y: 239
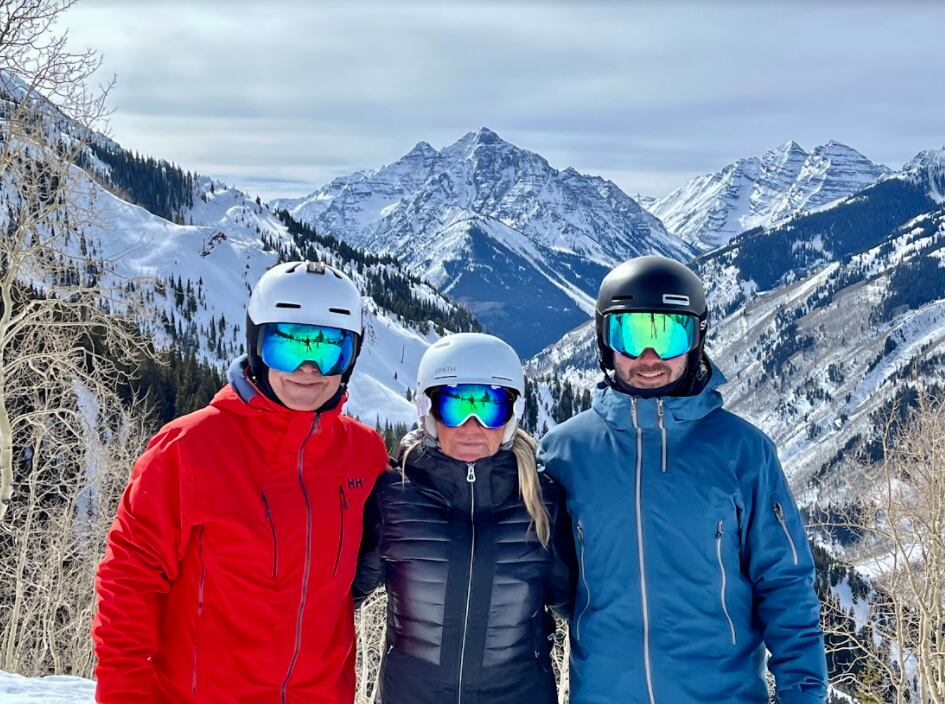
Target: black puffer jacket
x: 467, y: 580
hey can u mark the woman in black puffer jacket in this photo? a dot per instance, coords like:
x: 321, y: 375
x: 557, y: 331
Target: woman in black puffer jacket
x: 471, y: 541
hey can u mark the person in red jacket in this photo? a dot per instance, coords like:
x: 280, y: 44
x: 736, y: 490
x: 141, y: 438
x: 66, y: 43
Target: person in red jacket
x: 228, y: 569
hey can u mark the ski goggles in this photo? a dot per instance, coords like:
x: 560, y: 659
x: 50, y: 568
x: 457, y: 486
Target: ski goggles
x: 667, y: 334
x: 286, y: 346
x: 492, y: 406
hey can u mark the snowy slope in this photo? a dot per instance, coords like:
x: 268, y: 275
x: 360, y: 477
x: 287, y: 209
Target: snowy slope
x: 711, y: 209
x: 45, y: 690
x: 482, y: 210
x: 813, y: 360
x: 231, y: 242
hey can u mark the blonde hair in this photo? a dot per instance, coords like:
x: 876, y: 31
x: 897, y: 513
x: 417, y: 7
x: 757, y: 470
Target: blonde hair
x: 529, y: 486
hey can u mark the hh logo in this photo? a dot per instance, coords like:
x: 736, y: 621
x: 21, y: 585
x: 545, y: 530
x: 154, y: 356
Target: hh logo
x: 355, y: 483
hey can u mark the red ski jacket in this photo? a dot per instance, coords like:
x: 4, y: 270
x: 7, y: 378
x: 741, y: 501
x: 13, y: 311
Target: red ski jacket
x: 228, y: 569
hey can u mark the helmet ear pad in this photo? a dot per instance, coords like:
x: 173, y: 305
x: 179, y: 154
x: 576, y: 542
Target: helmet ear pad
x: 606, y: 354
x: 424, y: 404
x: 358, y: 344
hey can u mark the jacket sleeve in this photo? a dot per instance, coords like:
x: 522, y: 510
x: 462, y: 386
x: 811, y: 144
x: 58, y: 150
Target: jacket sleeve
x: 370, y: 574
x: 143, y: 552
x: 562, y: 580
x: 780, y: 565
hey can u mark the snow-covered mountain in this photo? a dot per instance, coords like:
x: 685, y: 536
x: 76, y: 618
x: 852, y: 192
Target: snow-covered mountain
x: 496, y: 227
x: 819, y: 324
x: 194, y: 279
x: 710, y: 210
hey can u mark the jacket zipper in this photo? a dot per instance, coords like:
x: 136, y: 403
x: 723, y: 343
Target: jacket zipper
x: 272, y: 527
x: 471, y: 480
x: 343, y: 507
x: 643, y: 595
x: 587, y: 587
x: 660, y: 413
x: 200, y: 588
x: 308, y: 559
x: 779, y: 512
x: 719, y: 532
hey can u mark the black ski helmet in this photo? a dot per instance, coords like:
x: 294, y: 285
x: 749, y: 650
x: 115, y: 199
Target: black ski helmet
x: 651, y: 284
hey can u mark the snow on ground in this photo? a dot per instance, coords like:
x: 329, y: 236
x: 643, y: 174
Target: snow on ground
x: 15, y: 689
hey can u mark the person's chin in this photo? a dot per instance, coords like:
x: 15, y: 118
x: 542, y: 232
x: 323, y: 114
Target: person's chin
x: 303, y: 400
x: 471, y: 453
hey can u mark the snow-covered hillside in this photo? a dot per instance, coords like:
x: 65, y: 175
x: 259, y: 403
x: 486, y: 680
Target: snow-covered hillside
x: 232, y: 241
x: 812, y: 357
x: 15, y: 689
x: 520, y: 243
x: 195, y: 280
x: 710, y: 210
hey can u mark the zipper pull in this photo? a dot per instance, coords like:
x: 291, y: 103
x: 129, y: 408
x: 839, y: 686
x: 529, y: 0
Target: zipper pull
x: 779, y: 511
x: 720, y: 530
x: 659, y: 408
x: 633, y: 410
x: 580, y: 530
x: 470, y: 472
x: 344, y: 499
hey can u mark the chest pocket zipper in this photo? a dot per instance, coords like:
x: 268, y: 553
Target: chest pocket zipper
x: 343, y: 509
x: 719, y: 532
x: 779, y: 514
x: 200, y: 589
x: 272, y: 528
x: 587, y: 587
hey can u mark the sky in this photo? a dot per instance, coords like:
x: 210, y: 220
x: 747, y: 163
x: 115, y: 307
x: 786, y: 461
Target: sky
x: 278, y: 98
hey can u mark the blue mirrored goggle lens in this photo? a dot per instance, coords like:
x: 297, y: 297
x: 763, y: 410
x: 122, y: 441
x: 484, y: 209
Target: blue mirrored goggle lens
x: 492, y: 406
x: 286, y: 346
x: 667, y: 334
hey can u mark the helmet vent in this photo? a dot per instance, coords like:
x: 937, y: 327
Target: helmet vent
x: 281, y: 304
x: 674, y: 300
x: 627, y: 297
x: 340, y: 311
x: 315, y: 267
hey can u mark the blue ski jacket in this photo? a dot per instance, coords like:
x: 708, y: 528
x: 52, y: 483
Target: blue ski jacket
x: 693, y: 557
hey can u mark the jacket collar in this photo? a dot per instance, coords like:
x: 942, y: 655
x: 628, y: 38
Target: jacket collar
x: 496, y: 477
x: 617, y: 408
x: 282, y: 427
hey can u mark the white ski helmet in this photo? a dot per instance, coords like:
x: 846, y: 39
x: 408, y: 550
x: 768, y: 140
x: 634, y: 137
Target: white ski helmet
x: 309, y: 293
x: 470, y: 358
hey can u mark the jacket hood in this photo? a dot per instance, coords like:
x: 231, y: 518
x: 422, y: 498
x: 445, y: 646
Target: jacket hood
x: 240, y: 396
x: 616, y: 408
x: 243, y: 397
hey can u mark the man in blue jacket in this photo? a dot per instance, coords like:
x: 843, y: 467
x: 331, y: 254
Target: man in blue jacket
x: 693, y: 556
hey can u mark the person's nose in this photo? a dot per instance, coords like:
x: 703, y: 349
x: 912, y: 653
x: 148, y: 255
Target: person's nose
x: 649, y: 355
x: 309, y: 368
x: 472, y: 426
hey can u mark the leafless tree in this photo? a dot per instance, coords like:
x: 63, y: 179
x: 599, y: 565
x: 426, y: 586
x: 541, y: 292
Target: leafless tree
x: 895, y: 647
x: 67, y: 339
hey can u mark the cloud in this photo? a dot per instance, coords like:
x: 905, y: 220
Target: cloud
x: 305, y: 92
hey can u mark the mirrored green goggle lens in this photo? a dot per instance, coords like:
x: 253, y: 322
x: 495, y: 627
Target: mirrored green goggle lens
x: 492, y: 406
x: 667, y: 334
x: 285, y: 346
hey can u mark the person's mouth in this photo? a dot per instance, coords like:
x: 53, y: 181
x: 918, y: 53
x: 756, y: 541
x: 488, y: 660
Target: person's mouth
x: 652, y: 374
x: 306, y: 384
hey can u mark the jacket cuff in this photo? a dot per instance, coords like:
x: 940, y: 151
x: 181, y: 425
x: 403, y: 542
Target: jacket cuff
x: 796, y: 696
